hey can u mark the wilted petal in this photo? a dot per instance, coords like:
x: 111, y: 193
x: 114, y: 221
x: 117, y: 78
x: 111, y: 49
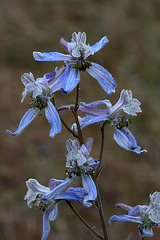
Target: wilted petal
x: 126, y: 140
x: 104, y: 78
x: 126, y: 103
x: 96, y: 47
x: 26, y: 120
x: 34, y: 189
x: 51, y: 56
x: 145, y: 232
x: 124, y: 218
x: 89, y: 187
x: 53, y: 118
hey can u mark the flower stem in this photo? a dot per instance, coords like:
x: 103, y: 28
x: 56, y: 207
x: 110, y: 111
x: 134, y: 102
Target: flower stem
x: 143, y: 238
x: 74, y: 111
x: 99, y: 168
x: 99, y: 205
x: 96, y: 234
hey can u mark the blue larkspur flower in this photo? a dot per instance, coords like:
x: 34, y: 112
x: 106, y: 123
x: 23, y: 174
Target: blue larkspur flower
x: 41, y: 92
x: 113, y: 114
x: 46, y: 199
x: 75, y: 60
x: 80, y: 163
x: 146, y: 216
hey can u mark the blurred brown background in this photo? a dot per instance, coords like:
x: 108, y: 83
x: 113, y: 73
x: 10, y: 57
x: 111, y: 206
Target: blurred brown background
x: 133, y: 58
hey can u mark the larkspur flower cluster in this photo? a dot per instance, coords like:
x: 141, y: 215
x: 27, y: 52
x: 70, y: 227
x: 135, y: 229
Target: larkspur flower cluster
x: 79, y: 163
x: 146, y: 216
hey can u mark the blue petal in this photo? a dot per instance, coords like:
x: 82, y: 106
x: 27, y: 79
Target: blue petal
x: 46, y: 218
x: 26, y: 120
x: 124, y: 218
x: 60, y: 188
x: 145, y: 232
x: 89, y: 187
x: 53, y: 213
x: 126, y: 140
x: 96, y: 47
x: 69, y: 195
x: 104, y: 78
x: 53, y: 118
x: 70, y: 79
x: 51, y: 56
x: 89, y: 119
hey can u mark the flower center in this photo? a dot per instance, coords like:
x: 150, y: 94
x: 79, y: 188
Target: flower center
x: 122, y: 121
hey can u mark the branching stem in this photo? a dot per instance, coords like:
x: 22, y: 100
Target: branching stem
x: 95, y: 233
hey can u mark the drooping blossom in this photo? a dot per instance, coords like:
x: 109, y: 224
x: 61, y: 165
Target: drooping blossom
x: 41, y: 91
x: 46, y: 199
x: 81, y: 164
x: 76, y: 61
x: 146, y: 216
x: 113, y: 115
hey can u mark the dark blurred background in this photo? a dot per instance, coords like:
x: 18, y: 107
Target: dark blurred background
x: 133, y: 58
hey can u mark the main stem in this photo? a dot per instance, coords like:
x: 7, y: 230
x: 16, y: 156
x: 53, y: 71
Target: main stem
x: 98, y: 201
x: 74, y: 110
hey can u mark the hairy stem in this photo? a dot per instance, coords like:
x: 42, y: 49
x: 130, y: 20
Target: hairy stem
x: 96, y: 234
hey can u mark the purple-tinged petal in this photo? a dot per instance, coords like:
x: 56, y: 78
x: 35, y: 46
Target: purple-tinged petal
x: 97, y: 103
x: 53, y: 118
x: 71, y: 77
x: 96, y: 47
x: 145, y: 232
x: 60, y: 188
x: 126, y: 140
x: 89, y: 187
x: 26, y: 120
x: 104, y: 78
x: 89, y: 144
x: 64, y: 43
x: 124, y: 218
x: 123, y: 206
x: 51, y: 56
x: 84, y: 151
x: 138, y: 210
x: 94, y: 111
x: 53, y: 183
x: 72, y: 145
x: 52, y: 78
x: 46, y: 219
